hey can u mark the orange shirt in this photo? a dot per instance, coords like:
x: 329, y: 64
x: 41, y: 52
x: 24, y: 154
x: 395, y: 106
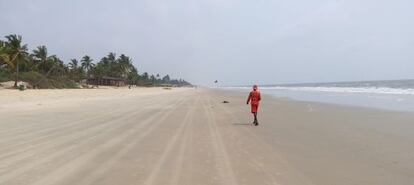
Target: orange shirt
x: 254, y: 97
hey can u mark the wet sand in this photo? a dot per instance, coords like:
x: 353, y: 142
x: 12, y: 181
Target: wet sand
x: 186, y: 136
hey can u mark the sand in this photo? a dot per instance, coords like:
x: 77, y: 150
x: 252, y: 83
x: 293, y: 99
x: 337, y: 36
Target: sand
x: 187, y: 136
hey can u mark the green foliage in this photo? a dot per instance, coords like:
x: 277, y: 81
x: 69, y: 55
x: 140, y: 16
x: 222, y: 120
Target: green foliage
x: 76, y: 72
x: 111, y: 66
x: 4, y: 56
x: 4, y: 75
x: 16, y: 52
x: 41, y: 82
x: 166, y: 79
x: 87, y: 64
x: 48, y: 71
x: 41, y: 61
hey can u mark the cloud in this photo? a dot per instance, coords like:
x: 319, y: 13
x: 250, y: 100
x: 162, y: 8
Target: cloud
x: 234, y: 41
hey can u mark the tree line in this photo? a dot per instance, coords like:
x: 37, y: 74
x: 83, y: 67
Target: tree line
x: 48, y: 71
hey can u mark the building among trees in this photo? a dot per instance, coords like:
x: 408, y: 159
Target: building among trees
x: 42, y: 70
x: 107, y: 81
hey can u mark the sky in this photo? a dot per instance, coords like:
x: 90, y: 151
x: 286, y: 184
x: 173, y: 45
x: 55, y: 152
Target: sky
x: 237, y: 42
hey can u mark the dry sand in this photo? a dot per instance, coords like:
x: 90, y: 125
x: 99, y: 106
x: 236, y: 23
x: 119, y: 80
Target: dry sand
x: 186, y: 136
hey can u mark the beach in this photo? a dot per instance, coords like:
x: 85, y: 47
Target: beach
x: 188, y: 136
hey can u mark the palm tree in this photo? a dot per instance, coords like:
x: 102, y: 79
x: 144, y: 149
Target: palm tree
x: 111, y: 65
x: 4, y: 57
x: 145, y: 76
x: 133, y: 76
x: 62, y: 69
x: 166, y: 79
x: 125, y: 64
x: 111, y: 57
x: 56, y: 67
x: 87, y: 64
x: 41, y: 57
x: 152, y: 78
x: 98, y: 71
x: 16, y: 51
x: 76, y: 72
x: 73, y: 64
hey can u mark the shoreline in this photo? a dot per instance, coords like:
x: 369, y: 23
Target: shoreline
x: 387, y: 102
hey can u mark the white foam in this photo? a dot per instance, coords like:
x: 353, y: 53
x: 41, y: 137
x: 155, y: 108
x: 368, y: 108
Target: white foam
x: 370, y: 90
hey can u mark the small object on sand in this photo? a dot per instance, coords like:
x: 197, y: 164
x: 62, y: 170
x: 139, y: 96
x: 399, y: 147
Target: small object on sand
x: 22, y: 87
x: 225, y: 101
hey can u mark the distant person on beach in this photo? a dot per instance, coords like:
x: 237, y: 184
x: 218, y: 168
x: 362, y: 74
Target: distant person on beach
x: 254, y: 99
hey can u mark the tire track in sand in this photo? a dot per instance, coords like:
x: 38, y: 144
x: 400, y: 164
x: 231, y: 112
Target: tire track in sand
x: 83, y: 147
x: 42, y: 130
x: 167, y: 152
x: 69, y: 129
x: 226, y: 169
x: 103, y: 168
x: 179, y: 163
x: 63, y: 141
x: 79, y: 162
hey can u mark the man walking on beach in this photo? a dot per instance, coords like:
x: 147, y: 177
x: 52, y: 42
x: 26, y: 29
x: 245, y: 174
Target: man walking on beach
x: 254, y: 99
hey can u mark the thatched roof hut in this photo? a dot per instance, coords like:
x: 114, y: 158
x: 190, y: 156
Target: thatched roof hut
x: 108, y: 81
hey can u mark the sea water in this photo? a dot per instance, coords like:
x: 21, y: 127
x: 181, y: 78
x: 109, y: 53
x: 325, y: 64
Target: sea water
x: 395, y: 95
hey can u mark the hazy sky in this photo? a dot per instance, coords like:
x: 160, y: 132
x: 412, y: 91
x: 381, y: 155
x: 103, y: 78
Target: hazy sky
x: 235, y: 42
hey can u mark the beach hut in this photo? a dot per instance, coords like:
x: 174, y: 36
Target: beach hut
x: 107, y: 81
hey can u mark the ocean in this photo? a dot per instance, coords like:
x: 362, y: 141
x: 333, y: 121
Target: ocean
x: 397, y: 95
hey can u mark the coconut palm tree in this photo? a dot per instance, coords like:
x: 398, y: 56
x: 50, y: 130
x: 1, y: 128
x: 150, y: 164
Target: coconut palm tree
x: 63, y: 69
x: 125, y: 64
x: 76, y: 72
x: 4, y: 57
x: 56, y: 67
x: 87, y: 64
x: 145, y: 76
x: 109, y: 65
x: 73, y: 64
x: 111, y: 57
x: 166, y: 79
x: 152, y: 78
x: 41, y: 58
x: 17, y: 53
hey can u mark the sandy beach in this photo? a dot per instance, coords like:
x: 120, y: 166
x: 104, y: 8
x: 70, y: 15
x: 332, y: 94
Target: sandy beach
x: 188, y: 136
